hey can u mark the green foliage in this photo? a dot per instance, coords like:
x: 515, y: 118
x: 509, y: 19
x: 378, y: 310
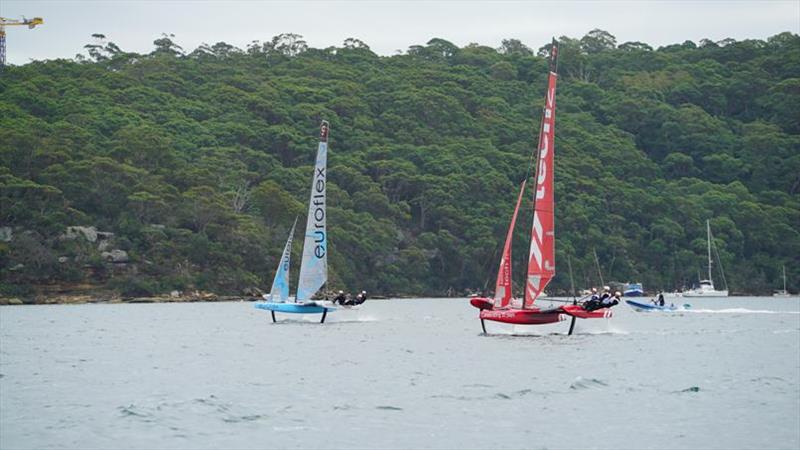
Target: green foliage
x: 134, y: 287
x: 199, y: 162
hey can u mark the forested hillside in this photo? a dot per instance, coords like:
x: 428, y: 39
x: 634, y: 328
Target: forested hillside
x: 198, y: 162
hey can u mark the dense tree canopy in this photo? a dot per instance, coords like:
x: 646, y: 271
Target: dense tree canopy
x: 199, y: 162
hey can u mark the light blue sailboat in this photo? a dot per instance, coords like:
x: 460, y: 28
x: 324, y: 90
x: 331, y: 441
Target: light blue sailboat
x: 280, y: 284
x: 314, y: 265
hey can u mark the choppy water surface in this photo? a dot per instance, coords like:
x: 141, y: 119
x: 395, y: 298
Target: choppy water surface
x: 407, y: 373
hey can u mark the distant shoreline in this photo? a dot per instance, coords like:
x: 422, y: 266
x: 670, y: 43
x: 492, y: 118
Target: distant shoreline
x: 106, y: 298
x: 199, y: 297
x: 84, y: 299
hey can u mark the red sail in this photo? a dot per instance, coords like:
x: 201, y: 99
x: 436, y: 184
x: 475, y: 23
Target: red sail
x: 542, y: 255
x: 502, y: 289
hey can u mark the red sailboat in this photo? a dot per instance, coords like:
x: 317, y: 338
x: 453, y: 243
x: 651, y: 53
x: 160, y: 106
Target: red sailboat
x: 541, y: 257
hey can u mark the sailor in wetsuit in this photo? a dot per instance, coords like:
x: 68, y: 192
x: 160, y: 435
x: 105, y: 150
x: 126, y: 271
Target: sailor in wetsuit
x: 608, y: 302
x: 361, y: 298
x: 606, y: 294
x: 341, y: 298
x: 605, y: 301
x: 595, y: 302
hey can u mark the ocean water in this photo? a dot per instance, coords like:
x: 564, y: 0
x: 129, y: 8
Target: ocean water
x: 401, y: 374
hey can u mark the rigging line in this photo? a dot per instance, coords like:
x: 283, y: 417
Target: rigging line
x: 571, y: 279
x: 556, y: 300
x: 597, y: 263
x: 489, y: 275
x: 719, y: 258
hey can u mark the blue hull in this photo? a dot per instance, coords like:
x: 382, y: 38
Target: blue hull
x: 633, y: 293
x: 293, y: 308
x: 650, y: 307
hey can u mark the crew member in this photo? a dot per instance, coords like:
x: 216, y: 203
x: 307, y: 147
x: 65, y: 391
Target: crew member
x: 341, y: 298
x: 608, y: 302
x: 606, y: 294
x: 593, y: 302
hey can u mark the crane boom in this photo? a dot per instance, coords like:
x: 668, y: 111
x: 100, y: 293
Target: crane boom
x: 30, y: 23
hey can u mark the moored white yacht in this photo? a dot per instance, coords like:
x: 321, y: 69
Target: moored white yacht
x: 706, y: 287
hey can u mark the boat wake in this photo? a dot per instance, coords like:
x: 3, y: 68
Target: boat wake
x: 334, y: 319
x: 738, y: 311
x: 602, y: 332
x: 598, y: 329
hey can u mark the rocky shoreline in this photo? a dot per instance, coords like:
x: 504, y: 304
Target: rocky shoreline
x: 115, y: 298
x: 82, y: 299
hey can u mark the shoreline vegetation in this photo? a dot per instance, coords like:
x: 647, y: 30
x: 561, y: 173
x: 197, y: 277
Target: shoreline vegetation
x: 82, y: 294
x: 68, y: 299
x: 110, y: 297
x: 179, y: 170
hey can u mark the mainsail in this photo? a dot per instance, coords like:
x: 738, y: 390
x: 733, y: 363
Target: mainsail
x: 280, y: 284
x: 503, y: 287
x: 314, y: 265
x: 542, y: 255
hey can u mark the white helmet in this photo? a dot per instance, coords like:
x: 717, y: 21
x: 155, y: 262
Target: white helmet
x: 594, y: 289
x: 341, y: 292
x: 606, y: 288
x: 617, y: 294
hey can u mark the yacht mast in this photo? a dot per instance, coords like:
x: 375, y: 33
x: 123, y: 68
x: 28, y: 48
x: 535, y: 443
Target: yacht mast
x: 708, y: 231
x: 784, y: 279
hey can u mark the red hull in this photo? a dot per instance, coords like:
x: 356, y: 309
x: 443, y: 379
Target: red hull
x: 481, y: 303
x: 522, y: 316
x: 579, y: 312
x: 534, y: 316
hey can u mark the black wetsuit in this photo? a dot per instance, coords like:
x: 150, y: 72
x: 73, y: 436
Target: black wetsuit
x: 595, y: 302
x: 592, y: 305
x: 341, y: 298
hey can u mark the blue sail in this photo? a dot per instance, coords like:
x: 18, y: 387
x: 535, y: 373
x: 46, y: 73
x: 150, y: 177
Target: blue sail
x: 280, y: 284
x: 314, y: 266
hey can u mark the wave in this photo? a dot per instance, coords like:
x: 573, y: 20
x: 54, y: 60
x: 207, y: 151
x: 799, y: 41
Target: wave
x: 389, y: 408
x: 689, y: 390
x: 587, y: 383
x: 494, y: 396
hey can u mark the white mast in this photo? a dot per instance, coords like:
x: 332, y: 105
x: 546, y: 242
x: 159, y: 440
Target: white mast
x: 314, y: 265
x: 708, y: 231
x: 784, y: 279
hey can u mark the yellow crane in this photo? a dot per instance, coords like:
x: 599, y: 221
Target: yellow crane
x: 30, y: 23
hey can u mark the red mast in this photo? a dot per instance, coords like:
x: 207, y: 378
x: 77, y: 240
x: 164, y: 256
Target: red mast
x: 542, y: 254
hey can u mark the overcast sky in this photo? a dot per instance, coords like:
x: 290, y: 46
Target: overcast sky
x: 386, y: 26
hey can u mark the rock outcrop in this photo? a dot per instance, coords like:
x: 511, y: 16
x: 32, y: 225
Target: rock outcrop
x: 116, y: 256
x: 75, y: 232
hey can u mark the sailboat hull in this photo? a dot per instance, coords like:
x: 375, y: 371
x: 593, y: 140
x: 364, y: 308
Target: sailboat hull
x: 522, y: 316
x: 705, y: 293
x: 645, y: 307
x: 481, y: 303
x: 535, y: 316
x: 580, y: 313
x: 294, y: 308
